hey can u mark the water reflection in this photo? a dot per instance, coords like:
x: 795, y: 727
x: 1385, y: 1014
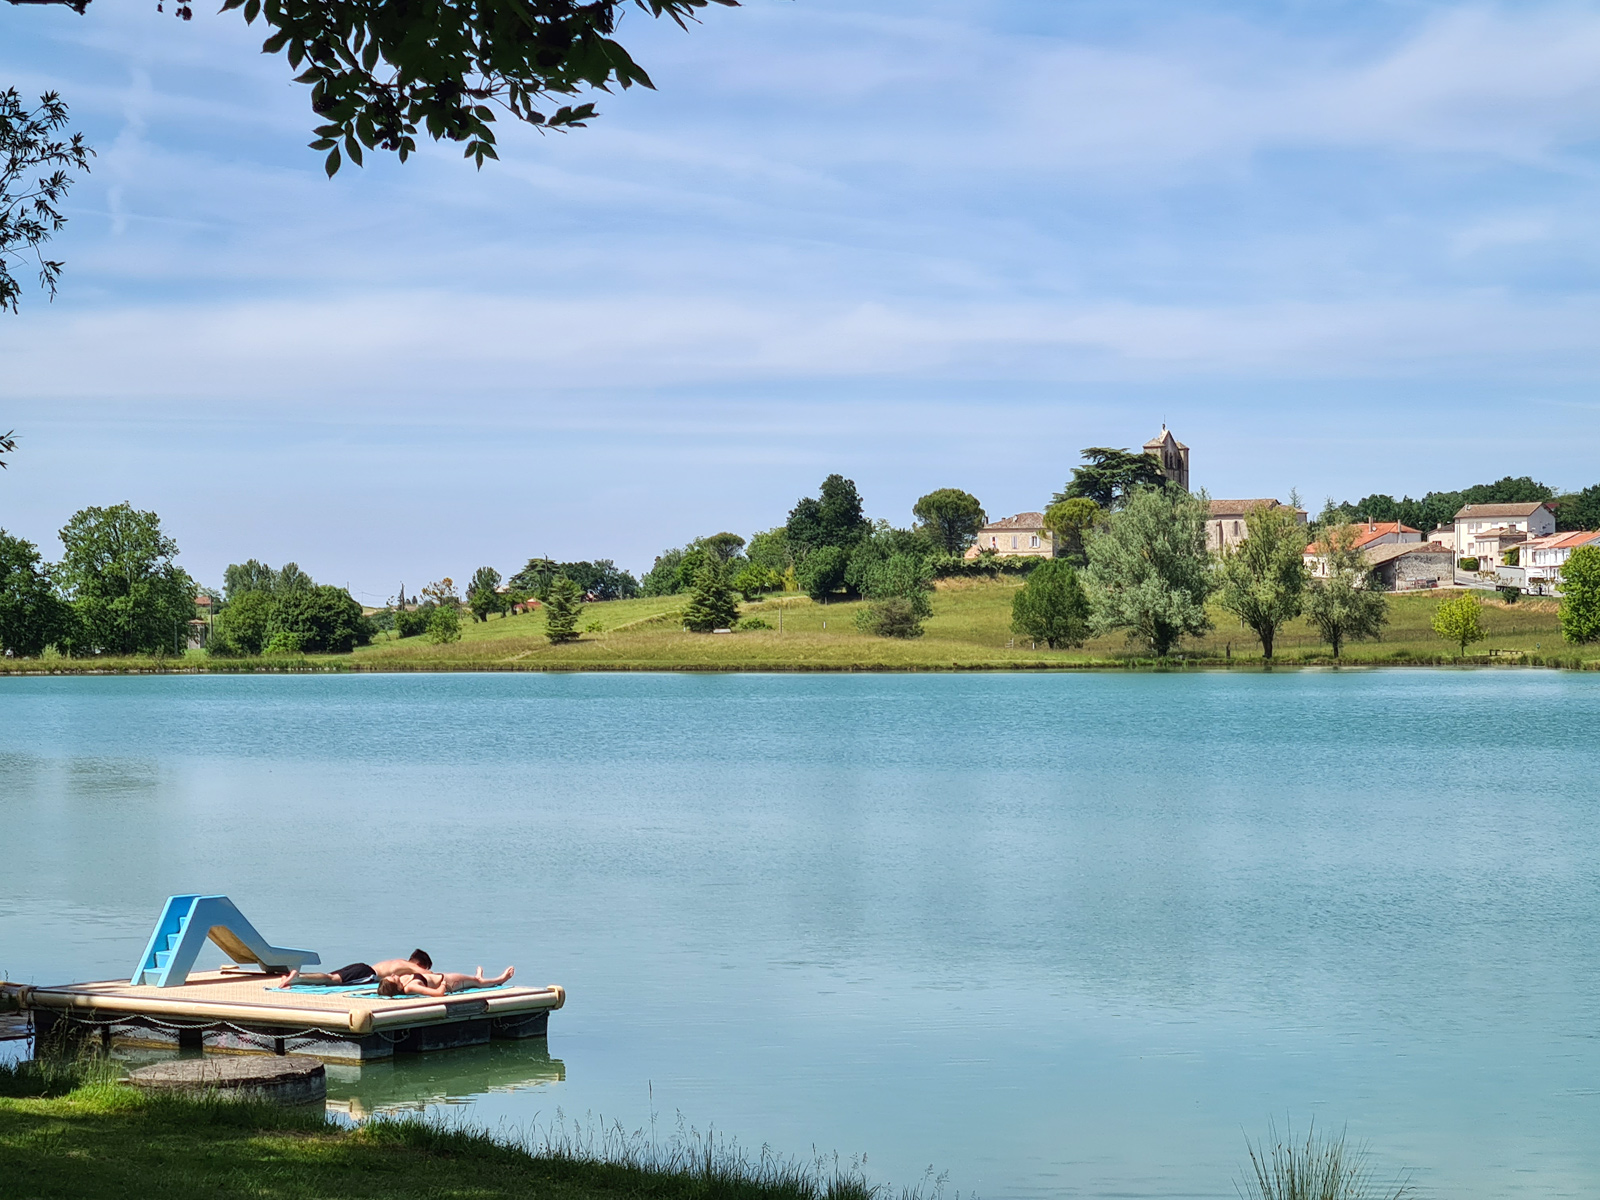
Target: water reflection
x: 410, y: 1083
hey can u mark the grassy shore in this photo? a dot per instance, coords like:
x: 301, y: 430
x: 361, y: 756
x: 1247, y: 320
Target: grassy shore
x: 970, y: 630
x: 103, y: 1139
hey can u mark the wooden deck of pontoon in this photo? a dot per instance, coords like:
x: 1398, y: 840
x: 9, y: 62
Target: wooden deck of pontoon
x: 240, y: 1012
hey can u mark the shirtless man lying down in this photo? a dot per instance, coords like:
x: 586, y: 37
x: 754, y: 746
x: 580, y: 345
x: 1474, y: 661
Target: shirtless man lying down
x: 417, y: 965
x: 440, y: 984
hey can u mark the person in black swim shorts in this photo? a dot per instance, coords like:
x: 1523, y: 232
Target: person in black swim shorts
x: 360, y: 972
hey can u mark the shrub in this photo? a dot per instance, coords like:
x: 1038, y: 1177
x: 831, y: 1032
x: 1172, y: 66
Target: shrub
x: 1467, y: 564
x: 327, y: 619
x: 1508, y: 593
x: 285, y: 641
x: 411, y: 622
x: 893, y: 617
x: 1052, y: 606
x: 444, y: 624
x: 751, y: 623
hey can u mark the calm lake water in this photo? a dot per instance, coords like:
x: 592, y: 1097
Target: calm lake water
x: 1068, y: 934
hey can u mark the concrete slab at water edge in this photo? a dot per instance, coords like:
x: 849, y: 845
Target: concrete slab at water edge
x: 285, y: 1079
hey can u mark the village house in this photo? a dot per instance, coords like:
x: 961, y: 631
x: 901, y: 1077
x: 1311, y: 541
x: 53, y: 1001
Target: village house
x: 1406, y: 566
x: 1023, y: 535
x: 1542, y: 558
x: 1369, y: 534
x: 1225, y: 523
x: 1486, y: 531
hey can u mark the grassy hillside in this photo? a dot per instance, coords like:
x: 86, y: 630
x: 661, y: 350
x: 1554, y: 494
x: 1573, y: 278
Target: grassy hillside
x: 970, y: 629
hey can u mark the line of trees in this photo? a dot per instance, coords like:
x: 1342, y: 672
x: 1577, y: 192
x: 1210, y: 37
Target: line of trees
x: 117, y: 589
x: 1574, y: 510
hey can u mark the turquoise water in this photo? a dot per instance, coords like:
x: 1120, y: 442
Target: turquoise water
x: 1047, y: 934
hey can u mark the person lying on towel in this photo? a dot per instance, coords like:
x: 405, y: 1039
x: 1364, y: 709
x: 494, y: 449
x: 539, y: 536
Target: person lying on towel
x: 440, y: 984
x: 419, y: 964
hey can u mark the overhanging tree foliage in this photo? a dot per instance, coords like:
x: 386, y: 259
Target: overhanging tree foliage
x: 382, y: 73
x: 30, y: 212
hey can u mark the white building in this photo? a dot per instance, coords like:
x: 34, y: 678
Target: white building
x: 1486, y: 531
x: 1542, y: 558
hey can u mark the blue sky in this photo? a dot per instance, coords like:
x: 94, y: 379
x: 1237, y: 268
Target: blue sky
x: 1336, y: 246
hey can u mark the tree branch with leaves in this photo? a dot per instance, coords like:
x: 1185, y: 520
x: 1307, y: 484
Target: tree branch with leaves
x: 30, y: 204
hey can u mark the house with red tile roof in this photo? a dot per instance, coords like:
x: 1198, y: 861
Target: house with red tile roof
x: 1542, y: 558
x: 1369, y: 534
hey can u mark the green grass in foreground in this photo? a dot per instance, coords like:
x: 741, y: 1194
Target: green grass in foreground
x: 970, y: 630
x: 102, y: 1139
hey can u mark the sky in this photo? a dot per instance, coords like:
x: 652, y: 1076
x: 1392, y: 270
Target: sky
x: 1339, y: 246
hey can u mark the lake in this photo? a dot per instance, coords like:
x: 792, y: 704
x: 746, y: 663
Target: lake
x: 1045, y: 934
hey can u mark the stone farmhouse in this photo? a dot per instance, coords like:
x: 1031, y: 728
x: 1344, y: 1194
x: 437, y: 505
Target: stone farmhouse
x: 1406, y: 566
x: 1486, y: 531
x: 1225, y: 523
x: 1023, y: 535
x: 1371, y: 535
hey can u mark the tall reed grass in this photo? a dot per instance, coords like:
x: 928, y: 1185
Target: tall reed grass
x: 1323, y: 1167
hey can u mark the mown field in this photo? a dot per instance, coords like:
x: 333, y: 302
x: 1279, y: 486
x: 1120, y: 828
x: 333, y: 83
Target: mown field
x: 970, y: 630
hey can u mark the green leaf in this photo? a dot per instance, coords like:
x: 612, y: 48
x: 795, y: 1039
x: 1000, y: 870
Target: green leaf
x: 276, y: 43
x: 352, y: 148
x: 252, y: 10
x: 332, y: 165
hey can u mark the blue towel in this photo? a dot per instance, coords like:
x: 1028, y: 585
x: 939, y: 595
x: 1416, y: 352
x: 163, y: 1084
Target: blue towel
x: 373, y: 992
x: 321, y: 989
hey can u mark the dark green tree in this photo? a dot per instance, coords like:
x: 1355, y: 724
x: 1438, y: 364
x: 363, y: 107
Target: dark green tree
x: 823, y: 572
x: 128, y: 594
x: 713, y: 604
x: 30, y: 212
x: 482, y: 597
x: 1580, y: 595
x: 1109, y: 476
x: 833, y: 518
x: 8, y: 445
x: 1579, y: 510
x: 950, y: 518
x: 325, y: 620
x: 563, y: 606
x: 1052, y: 607
x: 32, y: 616
x: 1070, y: 521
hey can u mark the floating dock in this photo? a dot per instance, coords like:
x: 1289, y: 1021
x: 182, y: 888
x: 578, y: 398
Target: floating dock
x: 241, y: 1012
